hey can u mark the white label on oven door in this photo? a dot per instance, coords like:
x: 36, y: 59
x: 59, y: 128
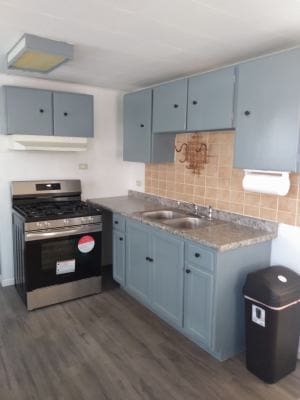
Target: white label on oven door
x: 86, y: 244
x: 65, y: 267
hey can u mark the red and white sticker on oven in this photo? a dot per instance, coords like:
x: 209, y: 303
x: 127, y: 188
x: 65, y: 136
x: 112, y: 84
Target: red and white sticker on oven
x: 86, y: 244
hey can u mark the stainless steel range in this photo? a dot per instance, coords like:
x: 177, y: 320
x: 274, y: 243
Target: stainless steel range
x: 57, y: 242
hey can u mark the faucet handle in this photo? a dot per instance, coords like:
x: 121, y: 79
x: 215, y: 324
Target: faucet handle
x: 210, y: 210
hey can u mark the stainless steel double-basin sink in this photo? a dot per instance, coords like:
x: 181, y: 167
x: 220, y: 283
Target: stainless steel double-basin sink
x: 176, y: 219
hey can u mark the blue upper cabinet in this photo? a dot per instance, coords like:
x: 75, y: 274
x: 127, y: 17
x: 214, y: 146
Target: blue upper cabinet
x: 268, y: 104
x: 211, y: 100
x: 42, y: 112
x: 26, y: 111
x: 137, y: 126
x: 170, y: 106
x: 167, y: 281
x: 73, y: 114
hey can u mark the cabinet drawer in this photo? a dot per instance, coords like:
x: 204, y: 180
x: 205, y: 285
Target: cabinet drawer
x: 119, y: 222
x: 199, y: 257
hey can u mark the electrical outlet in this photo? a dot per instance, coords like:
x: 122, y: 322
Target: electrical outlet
x: 83, y: 166
x: 139, y: 183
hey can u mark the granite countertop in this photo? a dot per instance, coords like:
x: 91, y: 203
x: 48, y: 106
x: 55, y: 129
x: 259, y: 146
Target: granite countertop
x: 218, y: 234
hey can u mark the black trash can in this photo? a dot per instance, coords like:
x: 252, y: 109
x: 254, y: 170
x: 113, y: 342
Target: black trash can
x: 272, y: 305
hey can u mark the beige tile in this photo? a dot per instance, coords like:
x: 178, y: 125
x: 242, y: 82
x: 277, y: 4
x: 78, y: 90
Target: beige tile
x: 286, y: 204
x: 224, y: 183
x: 211, y: 181
x: 267, y: 213
x: 198, y: 200
x: 211, y: 193
x: 223, y: 194
x: 236, y: 183
x: 286, y: 218
x: 236, y: 208
x: 252, y: 199
x: 199, y: 190
x: 293, y: 192
x: 223, y: 205
x: 225, y: 172
x: 268, y: 201
x: 189, y: 189
x: 251, y: 211
x: 298, y: 220
x: 237, y: 196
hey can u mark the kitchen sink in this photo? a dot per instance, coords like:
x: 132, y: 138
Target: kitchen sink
x: 162, y: 214
x: 187, y: 223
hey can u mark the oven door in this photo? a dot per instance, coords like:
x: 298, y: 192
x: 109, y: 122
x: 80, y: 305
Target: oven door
x: 57, y: 256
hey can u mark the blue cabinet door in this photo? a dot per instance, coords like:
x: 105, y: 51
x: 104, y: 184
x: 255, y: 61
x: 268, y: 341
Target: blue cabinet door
x: 167, y: 278
x: 27, y: 111
x: 211, y: 100
x: 137, y: 126
x: 268, y: 102
x: 119, y: 257
x: 198, y: 304
x: 73, y: 114
x: 170, y: 106
x: 138, y: 266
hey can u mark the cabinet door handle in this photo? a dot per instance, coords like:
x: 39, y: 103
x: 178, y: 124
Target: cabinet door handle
x: 41, y: 110
x: 150, y: 259
x: 142, y: 125
x: 247, y: 113
x: 116, y: 222
x: 65, y: 114
x: 175, y: 106
x: 197, y: 255
x: 195, y: 102
x: 147, y: 259
x: 188, y: 271
x: 121, y: 239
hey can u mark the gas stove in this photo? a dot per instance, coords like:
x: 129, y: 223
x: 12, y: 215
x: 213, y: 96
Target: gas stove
x: 57, y: 242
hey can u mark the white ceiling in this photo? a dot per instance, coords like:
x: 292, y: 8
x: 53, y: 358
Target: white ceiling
x: 128, y: 44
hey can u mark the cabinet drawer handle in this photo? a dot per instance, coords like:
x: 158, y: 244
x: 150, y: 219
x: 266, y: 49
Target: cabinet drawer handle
x: 247, y: 113
x: 188, y: 271
x: 65, y: 114
x: 175, y: 106
x: 149, y: 259
x: 142, y: 125
x: 195, y: 102
x: 41, y: 110
x: 197, y: 255
x: 116, y: 222
x: 121, y: 239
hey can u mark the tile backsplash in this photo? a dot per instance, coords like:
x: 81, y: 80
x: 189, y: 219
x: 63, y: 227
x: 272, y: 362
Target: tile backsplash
x: 219, y: 184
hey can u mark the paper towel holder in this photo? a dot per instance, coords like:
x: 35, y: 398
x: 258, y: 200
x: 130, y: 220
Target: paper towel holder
x: 269, y: 182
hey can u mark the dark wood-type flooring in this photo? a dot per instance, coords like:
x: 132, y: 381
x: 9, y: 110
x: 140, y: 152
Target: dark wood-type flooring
x: 110, y: 347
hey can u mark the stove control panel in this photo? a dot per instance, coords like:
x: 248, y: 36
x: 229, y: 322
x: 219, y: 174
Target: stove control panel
x: 61, y: 223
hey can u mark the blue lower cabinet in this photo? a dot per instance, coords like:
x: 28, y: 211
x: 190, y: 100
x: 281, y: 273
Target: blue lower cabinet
x: 198, y: 304
x: 167, y: 277
x: 119, y: 257
x: 138, y: 266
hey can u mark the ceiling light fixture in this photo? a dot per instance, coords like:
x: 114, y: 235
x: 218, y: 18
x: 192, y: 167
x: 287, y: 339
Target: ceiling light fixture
x: 36, y: 54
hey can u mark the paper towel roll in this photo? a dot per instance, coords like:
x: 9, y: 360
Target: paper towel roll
x: 270, y: 182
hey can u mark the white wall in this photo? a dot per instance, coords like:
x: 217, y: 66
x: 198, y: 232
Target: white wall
x: 286, y: 250
x: 107, y: 174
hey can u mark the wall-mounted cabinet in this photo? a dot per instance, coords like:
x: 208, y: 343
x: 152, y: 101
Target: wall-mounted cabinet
x: 139, y: 144
x: 211, y: 100
x: 268, y: 113
x: 170, y: 107
x: 27, y: 111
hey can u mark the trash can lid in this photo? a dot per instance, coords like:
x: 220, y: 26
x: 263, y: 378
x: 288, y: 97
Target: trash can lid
x: 274, y: 286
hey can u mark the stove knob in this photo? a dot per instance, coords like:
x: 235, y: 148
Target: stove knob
x: 39, y: 225
x: 91, y: 219
x: 83, y: 220
x: 66, y: 222
x: 47, y: 224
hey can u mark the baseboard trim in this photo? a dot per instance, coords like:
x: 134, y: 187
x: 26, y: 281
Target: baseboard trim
x: 7, y: 282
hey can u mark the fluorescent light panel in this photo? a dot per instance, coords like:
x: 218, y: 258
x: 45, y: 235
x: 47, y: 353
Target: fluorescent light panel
x: 36, y: 54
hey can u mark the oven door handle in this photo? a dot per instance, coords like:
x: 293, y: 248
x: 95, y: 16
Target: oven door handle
x: 57, y: 233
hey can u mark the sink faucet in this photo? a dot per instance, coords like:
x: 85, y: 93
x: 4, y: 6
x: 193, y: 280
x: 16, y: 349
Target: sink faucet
x: 195, y: 208
x: 210, y: 210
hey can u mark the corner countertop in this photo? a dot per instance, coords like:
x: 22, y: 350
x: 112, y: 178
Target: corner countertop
x: 218, y: 234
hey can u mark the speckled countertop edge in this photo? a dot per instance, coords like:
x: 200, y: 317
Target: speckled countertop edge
x: 220, y: 234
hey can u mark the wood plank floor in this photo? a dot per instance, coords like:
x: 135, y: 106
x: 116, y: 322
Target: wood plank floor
x: 109, y: 347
